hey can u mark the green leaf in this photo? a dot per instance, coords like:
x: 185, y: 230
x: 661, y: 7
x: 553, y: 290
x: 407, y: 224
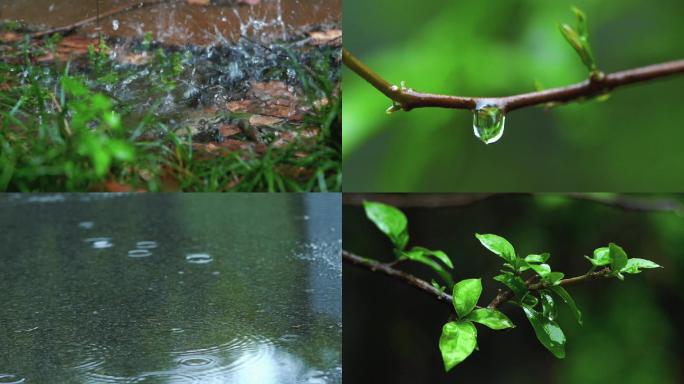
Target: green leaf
x: 391, y: 221
x: 618, y: 258
x: 529, y: 300
x: 568, y: 300
x: 601, y: 257
x: 465, y: 296
x: 419, y: 256
x: 634, y: 265
x: 581, y: 22
x: 541, y: 269
x: 548, y: 305
x: 548, y: 332
x: 457, y: 342
x: 579, y: 39
x: 439, y: 255
x: 553, y: 278
x: 537, y: 258
x: 491, y: 318
x: 498, y: 245
x: 514, y: 283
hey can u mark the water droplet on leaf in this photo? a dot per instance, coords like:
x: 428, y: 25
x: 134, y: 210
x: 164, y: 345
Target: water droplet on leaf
x: 488, y: 123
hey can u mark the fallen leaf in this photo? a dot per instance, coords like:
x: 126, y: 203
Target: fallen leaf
x: 228, y: 130
x: 260, y: 120
x: 329, y: 37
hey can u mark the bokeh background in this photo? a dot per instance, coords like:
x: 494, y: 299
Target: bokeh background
x: 632, y: 142
x: 632, y: 329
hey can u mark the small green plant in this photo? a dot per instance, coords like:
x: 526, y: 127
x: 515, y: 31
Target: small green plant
x: 532, y: 286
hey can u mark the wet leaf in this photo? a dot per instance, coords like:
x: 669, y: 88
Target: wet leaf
x: 548, y: 305
x: 457, y: 342
x: 421, y: 257
x: 537, y: 258
x: 498, y: 245
x: 568, y: 300
x: 439, y: 255
x: 618, y: 258
x: 391, y: 221
x: 547, y: 331
x: 465, y: 295
x: 601, y: 257
x: 514, y: 283
x: 635, y: 265
x: 491, y: 318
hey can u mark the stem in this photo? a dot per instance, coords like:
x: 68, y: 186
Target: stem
x: 595, y: 85
x: 503, y: 296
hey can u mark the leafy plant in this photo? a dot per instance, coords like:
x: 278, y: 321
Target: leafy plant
x: 532, y: 286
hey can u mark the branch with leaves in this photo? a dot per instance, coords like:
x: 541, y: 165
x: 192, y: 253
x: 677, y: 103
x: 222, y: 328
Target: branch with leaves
x: 530, y: 284
x: 490, y: 112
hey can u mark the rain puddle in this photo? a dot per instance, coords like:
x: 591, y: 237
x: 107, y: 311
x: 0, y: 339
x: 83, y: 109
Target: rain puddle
x: 232, y: 289
x: 224, y: 75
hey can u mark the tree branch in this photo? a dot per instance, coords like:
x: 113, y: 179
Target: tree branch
x: 409, y: 99
x: 502, y: 297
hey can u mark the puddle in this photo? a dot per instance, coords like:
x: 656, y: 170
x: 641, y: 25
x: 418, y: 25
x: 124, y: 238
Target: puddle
x: 104, y: 317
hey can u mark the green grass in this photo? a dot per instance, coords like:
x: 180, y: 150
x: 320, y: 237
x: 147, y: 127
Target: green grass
x: 62, y: 131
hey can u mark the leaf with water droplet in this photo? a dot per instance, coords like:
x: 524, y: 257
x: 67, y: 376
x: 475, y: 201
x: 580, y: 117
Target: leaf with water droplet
x: 488, y: 123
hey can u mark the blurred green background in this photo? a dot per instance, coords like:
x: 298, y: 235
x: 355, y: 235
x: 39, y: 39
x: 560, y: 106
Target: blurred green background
x: 631, y: 142
x: 632, y: 329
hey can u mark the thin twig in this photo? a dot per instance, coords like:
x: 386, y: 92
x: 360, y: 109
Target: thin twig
x: 409, y: 99
x: 502, y: 297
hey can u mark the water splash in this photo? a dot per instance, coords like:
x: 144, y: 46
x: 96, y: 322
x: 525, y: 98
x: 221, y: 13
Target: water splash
x: 488, y: 122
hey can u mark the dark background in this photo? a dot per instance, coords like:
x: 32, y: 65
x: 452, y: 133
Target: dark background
x: 632, y: 329
x: 631, y: 142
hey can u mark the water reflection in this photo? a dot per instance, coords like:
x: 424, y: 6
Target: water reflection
x: 75, y: 310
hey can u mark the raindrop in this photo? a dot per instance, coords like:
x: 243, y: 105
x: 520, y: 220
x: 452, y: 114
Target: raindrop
x: 115, y: 24
x: 488, y: 123
x: 195, y: 361
x: 199, y: 258
x: 139, y: 253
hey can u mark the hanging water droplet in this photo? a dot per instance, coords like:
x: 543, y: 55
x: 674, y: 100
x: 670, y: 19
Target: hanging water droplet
x: 488, y: 123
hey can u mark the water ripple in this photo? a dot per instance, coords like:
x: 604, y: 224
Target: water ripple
x: 8, y: 378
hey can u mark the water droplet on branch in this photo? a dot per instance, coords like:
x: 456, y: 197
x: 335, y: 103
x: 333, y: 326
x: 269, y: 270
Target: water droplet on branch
x: 488, y: 123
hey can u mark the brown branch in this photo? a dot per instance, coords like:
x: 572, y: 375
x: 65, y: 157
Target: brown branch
x: 502, y: 297
x: 505, y: 295
x: 409, y: 99
x: 388, y: 270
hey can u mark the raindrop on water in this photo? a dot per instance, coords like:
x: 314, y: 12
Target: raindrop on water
x: 100, y: 242
x: 139, y: 253
x: 198, y: 258
x: 146, y: 244
x: 488, y: 123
